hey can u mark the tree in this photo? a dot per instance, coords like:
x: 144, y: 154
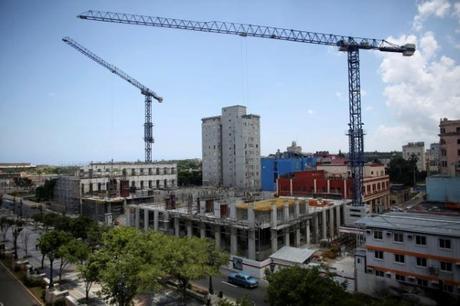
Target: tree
x: 16, y: 229
x: 89, y: 272
x: 49, y: 244
x: 299, y: 286
x: 215, y: 260
x: 45, y: 192
x: 73, y: 251
x: 5, y: 224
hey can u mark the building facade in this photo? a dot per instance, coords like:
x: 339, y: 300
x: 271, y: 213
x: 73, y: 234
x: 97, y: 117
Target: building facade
x: 417, y: 150
x: 336, y: 182
x: 278, y: 164
x: 450, y: 147
x: 231, y: 149
x: 409, y: 250
x: 433, y: 155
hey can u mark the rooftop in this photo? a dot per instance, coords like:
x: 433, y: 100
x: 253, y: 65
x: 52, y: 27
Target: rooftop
x: 292, y: 254
x: 447, y: 225
x: 266, y: 205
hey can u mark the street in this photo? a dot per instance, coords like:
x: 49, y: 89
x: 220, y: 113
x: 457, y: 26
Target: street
x: 12, y: 292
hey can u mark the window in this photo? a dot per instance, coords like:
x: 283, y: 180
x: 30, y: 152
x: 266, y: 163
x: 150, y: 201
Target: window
x: 422, y: 282
x: 443, y: 152
x: 399, y: 258
x: 379, y: 273
x: 398, y: 237
x: 420, y: 240
x: 133, y: 171
x: 378, y: 254
x: 444, y: 243
x: 421, y: 262
x: 458, y: 141
x: 446, y: 266
x: 400, y: 278
x: 378, y: 235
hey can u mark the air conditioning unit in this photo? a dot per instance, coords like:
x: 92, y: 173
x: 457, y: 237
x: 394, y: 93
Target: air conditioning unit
x: 388, y: 233
x: 388, y: 274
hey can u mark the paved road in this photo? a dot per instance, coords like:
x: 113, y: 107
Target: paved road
x: 12, y: 293
x: 257, y: 295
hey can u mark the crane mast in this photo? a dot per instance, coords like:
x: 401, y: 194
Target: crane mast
x: 147, y: 92
x: 348, y: 44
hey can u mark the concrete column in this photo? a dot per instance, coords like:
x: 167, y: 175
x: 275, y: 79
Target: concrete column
x: 136, y: 217
x: 251, y: 244
x: 276, y: 187
x: 306, y: 207
x: 217, y: 236
x: 217, y: 209
x: 339, y: 217
x: 155, y: 220
x: 287, y: 240
x: 274, y: 216
x: 297, y: 235
x: 202, y: 207
x: 274, y: 239
x: 251, y: 216
x: 290, y: 187
x: 345, y: 188
x: 146, y: 219
x: 307, y: 233
x: 233, y: 241
x: 314, y: 185
x: 297, y: 209
x: 166, y: 222
x: 286, y: 212
x: 328, y: 185
x: 202, y: 230
x: 316, y: 228
x: 324, y: 224
x: 129, y: 222
x: 189, y: 229
x: 176, y: 227
x: 331, y: 221
x: 233, y: 210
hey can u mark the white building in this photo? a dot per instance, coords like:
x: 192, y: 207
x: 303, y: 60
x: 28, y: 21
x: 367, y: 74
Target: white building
x: 409, y: 250
x: 416, y: 149
x: 231, y: 149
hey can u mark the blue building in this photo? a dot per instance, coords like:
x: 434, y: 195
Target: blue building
x: 279, y: 164
x: 443, y: 189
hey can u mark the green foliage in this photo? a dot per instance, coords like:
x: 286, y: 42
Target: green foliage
x: 189, y: 172
x: 5, y: 224
x: 49, y: 244
x: 298, y: 286
x: 73, y: 251
x: 45, y: 192
x: 22, y: 182
x: 89, y: 272
x: 401, y: 171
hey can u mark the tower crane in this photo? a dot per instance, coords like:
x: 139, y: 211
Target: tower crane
x: 147, y: 92
x: 348, y: 44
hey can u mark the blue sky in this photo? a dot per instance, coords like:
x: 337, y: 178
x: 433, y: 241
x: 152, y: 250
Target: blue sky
x: 57, y: 106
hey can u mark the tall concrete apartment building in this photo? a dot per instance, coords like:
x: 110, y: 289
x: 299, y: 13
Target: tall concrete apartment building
x: 450, y: 147
x: 416, y: 149
x: 231, y: 149
x: 433, y: 155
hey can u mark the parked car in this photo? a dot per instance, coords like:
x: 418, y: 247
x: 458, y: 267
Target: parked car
x: 243, y: 280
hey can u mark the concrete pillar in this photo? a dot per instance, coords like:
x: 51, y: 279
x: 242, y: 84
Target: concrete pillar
x: 339, y: 217
x: 217, y: 236
x: 136, y: 218
x: 274, y: 240
x: 287, y: 240
x: 166, y: 222
x: 202, y: 230
x: 202, y: 207
x: 146, y: 219
x: 233, y: 241
x: 328, y: 185
x: 274, y: 216
x: 306, y: 208
x: 189, y: 229
x: 276, y: 187
x: 217, y: 209
x: 316, y: 228
x: 314, y: 185
x: 290, y: 187
x: 176, y: 227
x: 297, y: 235
x: 345, y: 188
x: 324, y: 224
x: 155, y: 219
x: 331, y: 222
x: 251, y: 244
x: 233, y: 210
x: 286, y: 212
x: 307, y: 233
x: 297, y: 209
x: 129, y: 222
x: 251, y: 216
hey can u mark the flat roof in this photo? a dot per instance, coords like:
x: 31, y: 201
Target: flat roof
x: 444, y: 225
x: 292, y: 254
x: 266, y: 205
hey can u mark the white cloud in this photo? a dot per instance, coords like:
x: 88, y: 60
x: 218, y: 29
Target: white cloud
x: 425, y: 9
x: 419, y: 90
x: 310, y: 112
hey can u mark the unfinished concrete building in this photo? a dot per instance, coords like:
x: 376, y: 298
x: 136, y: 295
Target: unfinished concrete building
x: 249, y: 231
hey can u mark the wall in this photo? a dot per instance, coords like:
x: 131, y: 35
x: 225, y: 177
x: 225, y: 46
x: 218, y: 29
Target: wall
x: 273, y: 167
x: 443, y: 189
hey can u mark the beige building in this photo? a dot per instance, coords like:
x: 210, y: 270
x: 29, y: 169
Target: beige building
x: 416, y: 149
x: 450, y: 147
